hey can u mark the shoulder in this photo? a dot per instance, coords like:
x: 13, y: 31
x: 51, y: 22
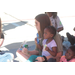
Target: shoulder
x: 56, y: 17
x: 72, y: 60
x: 57, y: 36
x: 53, y: 43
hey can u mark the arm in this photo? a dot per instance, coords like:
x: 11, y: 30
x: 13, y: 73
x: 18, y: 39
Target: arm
x: 53, y: 52
x: 1, y: 42
x: 59, y: 24
x: 40, y: 47
x: 34, y: 52
x: 59, y: 29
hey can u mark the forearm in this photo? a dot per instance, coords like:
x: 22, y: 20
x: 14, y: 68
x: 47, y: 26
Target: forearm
x: 59, y: 54
x: 40, y: 47
x: 34, y: 52
x: 59, y: 29
x: 52, y: 53
x: 1, y: 42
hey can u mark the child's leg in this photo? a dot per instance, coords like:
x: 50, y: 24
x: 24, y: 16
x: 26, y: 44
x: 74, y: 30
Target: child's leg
x: 32, y: 58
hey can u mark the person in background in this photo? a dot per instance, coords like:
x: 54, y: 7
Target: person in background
x: 41, y: 22
x: 4, y: 57
x: 55, y: 20
x: 1, y: 34
x: 69, y: 55
x: 71, y: 38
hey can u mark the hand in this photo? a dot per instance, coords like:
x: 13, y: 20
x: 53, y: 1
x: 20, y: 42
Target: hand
x: 74, y: 29
x: 25, y: 50
x: 57, y: 59
x: 40, y: 59
x: 47, y: 49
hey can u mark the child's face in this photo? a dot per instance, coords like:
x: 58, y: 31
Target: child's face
x: 37, y: 24
x: 69, y: 54
x: 47, y: 34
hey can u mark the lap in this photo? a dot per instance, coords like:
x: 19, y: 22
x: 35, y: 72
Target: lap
x: 24, y: 56
x: 32, y: 58
x: 51, y: 60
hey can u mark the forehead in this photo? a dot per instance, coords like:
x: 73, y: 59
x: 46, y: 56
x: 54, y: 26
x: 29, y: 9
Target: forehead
x: 69, y: 50
x: 46, y: 30
x: 36, y: 21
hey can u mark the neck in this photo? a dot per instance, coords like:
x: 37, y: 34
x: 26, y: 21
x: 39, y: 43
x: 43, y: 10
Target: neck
x: 49, y: 40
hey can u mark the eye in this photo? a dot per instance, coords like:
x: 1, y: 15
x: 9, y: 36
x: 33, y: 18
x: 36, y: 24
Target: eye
x: 45, y: 33
x: 69, y: 54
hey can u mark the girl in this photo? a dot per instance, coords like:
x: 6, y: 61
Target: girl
x: 41, y: 22
x: 55, y: 21
x: 49, y: 46
x: 69, y: 55
x: 4, y: 57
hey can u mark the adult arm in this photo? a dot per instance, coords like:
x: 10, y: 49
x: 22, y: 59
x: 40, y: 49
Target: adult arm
x: 53, y: 52
x: 59, y: 29
x: 34, y: 52
x: 59, y: 24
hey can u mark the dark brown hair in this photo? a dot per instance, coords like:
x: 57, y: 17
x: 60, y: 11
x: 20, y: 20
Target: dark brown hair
x: 44, y: 22
x: 73, y: 49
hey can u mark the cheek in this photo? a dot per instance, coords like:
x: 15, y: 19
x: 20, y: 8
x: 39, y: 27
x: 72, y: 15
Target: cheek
x: 67, y: 56
x: 38, y: 27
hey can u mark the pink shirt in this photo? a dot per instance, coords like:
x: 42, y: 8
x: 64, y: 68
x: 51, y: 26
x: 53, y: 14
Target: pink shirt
x: 63, y: 59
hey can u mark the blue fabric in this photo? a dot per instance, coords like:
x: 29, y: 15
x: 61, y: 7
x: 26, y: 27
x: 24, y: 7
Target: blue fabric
x: 6, y: 57
x: 32, y: 58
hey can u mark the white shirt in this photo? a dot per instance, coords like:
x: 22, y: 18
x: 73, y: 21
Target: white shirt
x: 49, y: 45
x: 55, y: 21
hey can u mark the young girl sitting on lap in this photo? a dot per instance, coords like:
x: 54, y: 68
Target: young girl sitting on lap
x: 69, y: 56
x: 49, y: 45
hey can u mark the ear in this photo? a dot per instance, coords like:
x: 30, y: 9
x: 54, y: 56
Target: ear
x: 52, y: 35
